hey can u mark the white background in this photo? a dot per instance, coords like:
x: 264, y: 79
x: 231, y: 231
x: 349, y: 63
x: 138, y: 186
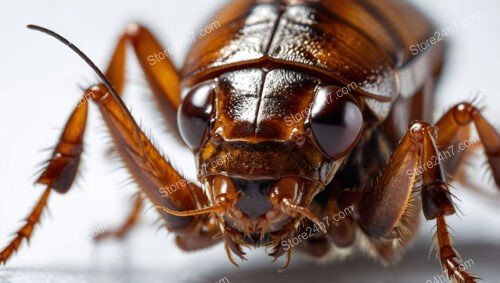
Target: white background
x: 39, y: 81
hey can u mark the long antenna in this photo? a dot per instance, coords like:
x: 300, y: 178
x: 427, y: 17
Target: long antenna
x: 99, y: 73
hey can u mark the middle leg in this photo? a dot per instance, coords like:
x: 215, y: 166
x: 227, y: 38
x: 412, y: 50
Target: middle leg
x: 129, y: 223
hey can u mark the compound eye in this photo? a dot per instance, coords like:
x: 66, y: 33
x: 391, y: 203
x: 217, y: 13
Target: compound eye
x: 194, y: 114
x: 336, y: 122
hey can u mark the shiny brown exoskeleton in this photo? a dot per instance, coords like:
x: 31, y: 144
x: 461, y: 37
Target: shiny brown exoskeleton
x: 297, y: 112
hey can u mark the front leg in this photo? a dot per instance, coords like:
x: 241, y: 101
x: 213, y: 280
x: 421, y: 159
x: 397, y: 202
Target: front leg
x: 163, y: 79
x: 387, y: 212
x: 143, y: 160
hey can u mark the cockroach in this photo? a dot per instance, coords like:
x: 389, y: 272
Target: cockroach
x: 310, y: 122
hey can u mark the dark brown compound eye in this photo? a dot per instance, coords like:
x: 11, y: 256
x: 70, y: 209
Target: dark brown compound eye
x: 194, y: 114
x: 336, y: 122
